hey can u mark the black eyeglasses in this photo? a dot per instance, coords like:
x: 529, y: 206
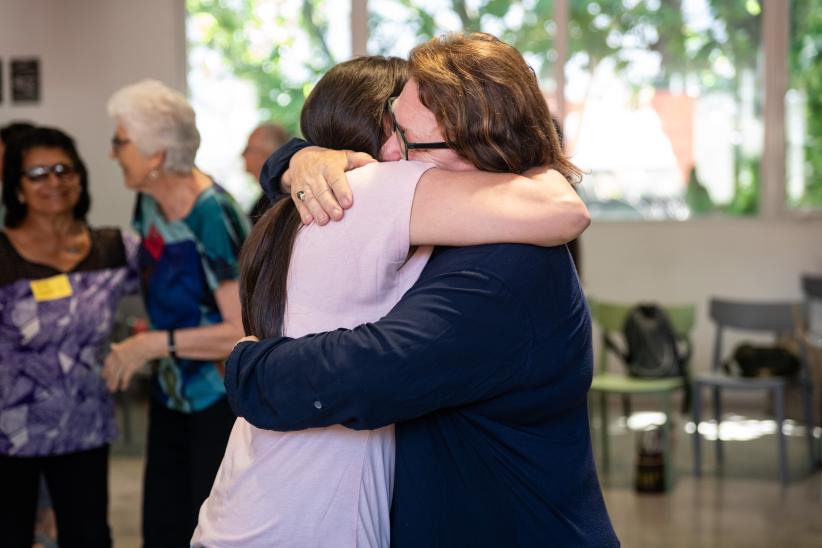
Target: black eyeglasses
x: 117, y: 143
x: 405, y: 146
x: 38, y: 174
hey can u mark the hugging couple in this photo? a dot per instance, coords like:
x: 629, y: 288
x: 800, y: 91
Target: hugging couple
x: 420, y: 349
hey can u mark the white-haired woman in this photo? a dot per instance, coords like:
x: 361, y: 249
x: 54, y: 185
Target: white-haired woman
x: 191, y: 235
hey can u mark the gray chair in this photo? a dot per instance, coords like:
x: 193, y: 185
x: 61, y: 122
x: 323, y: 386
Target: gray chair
x: 812, y: 288
x: 775, y: 318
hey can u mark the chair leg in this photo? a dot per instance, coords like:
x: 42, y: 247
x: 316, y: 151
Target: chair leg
x: 626, y: 406
x: 667, y: 445
x: 603, y: 432
x: 718, y: 415
x: 779, y: 405
x: 807, y: 406
x: 696, y: 410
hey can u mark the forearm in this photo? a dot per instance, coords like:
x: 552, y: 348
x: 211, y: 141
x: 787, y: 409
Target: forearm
x: 210, y: 342
x: 437, y: 348
x: 565, y: 215
x: 551, y: 214
x: 528, y: 212
x: 471, y: 208
x: 343, y: 377
x: 317, y: 381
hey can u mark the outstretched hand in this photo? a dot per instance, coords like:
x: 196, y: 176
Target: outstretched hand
x: 127, y: 356
x: 317, y: 182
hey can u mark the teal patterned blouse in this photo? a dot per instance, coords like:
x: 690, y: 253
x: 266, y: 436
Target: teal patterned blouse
x: 181, y: 264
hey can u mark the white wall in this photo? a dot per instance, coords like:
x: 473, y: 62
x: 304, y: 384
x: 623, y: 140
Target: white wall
x: 688, y: 262
x: 88, y: 49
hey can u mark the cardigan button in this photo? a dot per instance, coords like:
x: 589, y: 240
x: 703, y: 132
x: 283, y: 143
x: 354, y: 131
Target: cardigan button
x: 318, y: 404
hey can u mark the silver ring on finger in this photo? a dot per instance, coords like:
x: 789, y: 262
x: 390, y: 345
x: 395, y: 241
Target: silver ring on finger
x: 301, y: 195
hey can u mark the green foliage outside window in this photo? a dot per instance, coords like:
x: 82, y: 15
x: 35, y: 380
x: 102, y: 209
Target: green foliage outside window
x: 806, y: 75
x: 598, y: 29
x: 228, y: 25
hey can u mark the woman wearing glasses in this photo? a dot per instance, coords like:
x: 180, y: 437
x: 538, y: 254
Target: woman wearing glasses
x: 191, y: 235
x: 60, y: 282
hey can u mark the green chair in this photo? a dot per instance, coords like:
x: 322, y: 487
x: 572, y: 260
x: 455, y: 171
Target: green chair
x: 610, y: 318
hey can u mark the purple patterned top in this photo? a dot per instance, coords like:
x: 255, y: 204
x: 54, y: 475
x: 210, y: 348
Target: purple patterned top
x: 52, y: 398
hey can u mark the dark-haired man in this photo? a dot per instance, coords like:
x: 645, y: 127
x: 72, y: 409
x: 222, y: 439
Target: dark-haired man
x: 484, y: 365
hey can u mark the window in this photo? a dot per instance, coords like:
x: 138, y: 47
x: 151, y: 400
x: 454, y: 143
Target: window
x: 396, y: 26
x: 252, y: 61
x: 664, y: 107
x: 803, y: 107
x: 662, y: 100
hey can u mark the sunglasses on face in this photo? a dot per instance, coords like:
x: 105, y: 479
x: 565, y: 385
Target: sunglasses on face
x: 38, y: 174
x: 405, y: 146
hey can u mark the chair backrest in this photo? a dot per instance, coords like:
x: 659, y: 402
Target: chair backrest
x: 812, y: 286
x: 767, y: 317
x: 610, y: 317
x: 772, y: 317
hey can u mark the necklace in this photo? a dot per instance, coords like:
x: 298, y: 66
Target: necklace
x: 73, y: 246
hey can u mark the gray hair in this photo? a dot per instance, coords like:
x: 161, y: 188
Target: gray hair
x: 158, y: 119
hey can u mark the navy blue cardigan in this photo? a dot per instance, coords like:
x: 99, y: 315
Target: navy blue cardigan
x: 484, y: 366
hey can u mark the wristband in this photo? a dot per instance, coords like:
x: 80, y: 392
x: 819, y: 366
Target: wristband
x: 172, y: 346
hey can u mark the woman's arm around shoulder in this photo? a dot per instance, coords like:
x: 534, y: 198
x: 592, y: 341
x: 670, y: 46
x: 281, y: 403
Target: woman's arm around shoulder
x: 475, y: 207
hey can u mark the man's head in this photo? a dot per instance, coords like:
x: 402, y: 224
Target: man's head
x: 265, y: 139
x: 479, y: 96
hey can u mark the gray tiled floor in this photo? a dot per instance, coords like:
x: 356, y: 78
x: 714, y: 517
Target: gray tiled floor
x: 125, y: 487
x: 744, y: 506
x: 714, y: 512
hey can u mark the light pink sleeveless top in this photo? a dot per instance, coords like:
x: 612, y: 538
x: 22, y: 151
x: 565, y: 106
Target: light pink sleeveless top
x: 327, y: 486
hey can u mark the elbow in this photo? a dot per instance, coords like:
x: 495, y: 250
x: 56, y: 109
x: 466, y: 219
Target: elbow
x: 580, y: 220
x: 561, y: 227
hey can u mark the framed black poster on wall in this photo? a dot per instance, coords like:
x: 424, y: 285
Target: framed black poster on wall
x: 25, y: 80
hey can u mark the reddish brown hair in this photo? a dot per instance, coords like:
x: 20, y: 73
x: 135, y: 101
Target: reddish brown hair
x: 488, y: 104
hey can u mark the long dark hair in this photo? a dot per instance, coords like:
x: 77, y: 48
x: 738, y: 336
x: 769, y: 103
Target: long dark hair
x: 347, y: 109
x: 16, y: 149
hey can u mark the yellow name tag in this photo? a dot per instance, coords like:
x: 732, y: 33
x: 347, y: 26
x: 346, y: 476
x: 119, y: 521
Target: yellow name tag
x: 51, y: 289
